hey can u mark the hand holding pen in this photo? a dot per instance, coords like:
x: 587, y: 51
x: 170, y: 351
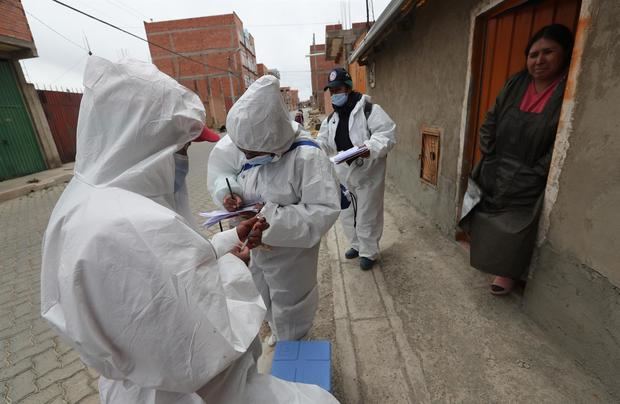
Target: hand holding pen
x: 255, y: 236
x: 232, y: 202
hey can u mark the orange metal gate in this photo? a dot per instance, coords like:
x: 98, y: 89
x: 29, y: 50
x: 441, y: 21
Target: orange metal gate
x: 61, y: 110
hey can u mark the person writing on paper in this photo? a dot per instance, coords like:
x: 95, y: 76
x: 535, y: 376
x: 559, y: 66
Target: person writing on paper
x: 356, y: 121
x: 295, y: 181
x: 164, y: 315
x: 225, y: 162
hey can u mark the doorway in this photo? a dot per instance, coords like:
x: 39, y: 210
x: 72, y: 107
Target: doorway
x: 500, y: 38
x: 19, y: 149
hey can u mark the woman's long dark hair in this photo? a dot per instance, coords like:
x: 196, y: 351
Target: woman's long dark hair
x: 557, y: 33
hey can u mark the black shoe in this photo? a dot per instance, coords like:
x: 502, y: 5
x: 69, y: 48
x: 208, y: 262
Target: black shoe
x: 351, y: 253
x: 366, y: 263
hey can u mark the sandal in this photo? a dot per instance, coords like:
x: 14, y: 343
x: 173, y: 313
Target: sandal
x: 502, y: 285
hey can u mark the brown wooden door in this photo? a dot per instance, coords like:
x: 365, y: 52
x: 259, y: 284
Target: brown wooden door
x: 500, y: 41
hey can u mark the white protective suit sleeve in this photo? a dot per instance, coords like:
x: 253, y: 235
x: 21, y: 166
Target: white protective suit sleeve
x: 323, y: 139
x: 225, y: 241
x: 304, y: 223
x: 382, y: 133
x: 127, y: 314
x: 225, y: 161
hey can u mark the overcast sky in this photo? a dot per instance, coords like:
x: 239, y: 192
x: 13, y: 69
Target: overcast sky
x: 282, y: 30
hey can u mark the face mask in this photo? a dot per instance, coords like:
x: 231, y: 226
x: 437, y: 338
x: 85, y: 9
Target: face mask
x: 261, y: 160
x: 339, y: 99
x: 181, y: 167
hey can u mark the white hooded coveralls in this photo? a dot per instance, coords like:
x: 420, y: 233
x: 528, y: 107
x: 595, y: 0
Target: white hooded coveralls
x: 301, y: 196
x: 365, y: 178
x: 164, y: 316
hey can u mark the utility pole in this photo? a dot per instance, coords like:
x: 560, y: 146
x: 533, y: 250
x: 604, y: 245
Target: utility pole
x: 315, y: 78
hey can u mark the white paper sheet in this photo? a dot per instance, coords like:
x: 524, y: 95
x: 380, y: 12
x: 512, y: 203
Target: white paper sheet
x: 217, y: 216
x: 349, y: 154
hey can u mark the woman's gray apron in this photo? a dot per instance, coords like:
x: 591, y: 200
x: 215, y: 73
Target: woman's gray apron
x: 503, y: 225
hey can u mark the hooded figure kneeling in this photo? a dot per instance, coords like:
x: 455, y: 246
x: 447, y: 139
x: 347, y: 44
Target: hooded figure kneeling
x: 164, y: 315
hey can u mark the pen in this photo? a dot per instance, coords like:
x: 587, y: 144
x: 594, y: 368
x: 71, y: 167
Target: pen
x: 230, y: 189
x: 245, y: 243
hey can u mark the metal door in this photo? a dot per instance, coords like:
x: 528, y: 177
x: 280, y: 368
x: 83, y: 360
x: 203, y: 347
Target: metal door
x: 19, y: 150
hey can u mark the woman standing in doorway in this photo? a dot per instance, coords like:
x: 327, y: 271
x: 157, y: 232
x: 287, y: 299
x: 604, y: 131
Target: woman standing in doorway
x: 516, y: 141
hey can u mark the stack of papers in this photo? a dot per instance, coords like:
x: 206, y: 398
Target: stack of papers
x: 217, y: 216
x: 346, y: 155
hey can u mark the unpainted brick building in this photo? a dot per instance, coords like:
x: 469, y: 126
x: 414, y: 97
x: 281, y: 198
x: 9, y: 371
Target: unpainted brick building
x: 218, y: 62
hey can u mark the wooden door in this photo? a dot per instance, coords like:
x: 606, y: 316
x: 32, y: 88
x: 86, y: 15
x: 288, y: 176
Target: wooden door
x: 499, y: 52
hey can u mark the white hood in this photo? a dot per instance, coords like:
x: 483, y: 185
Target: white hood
x: 142, y: 116
x: 145, y: 300
x: 259, y: 120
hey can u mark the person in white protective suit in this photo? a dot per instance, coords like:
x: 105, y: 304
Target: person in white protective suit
x: 225, y: 162
x: 266, y: 162
x: 164, y: 315
x: 356, y: 121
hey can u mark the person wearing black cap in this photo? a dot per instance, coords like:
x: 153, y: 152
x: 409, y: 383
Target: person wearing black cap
x: 356, y: 121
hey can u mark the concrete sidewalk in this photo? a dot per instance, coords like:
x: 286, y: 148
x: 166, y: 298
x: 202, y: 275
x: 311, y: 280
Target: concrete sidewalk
x: 422, y: 327
x: 16, y: 187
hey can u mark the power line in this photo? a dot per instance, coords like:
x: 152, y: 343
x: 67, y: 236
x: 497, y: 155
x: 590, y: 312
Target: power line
x: 70, y: 69
x: 140, y: 38
x: 290, y: 25
x: 126, y: 8
x: 52, y: 29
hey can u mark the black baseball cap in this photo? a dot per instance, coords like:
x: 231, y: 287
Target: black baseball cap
x: 339, y: 77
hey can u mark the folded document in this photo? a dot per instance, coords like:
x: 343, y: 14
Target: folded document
x: 217, y: 216
x: 346, y: 155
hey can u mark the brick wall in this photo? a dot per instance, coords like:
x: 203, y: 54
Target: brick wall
x: 217, y: 41
x: 13, y: 22
x: 320, y: 68
x: 261, y: 70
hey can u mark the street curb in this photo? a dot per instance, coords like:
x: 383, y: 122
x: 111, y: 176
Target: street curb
x: 27, y: 188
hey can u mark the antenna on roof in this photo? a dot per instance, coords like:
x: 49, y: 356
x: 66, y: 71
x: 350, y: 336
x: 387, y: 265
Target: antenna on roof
x: 90, y: 53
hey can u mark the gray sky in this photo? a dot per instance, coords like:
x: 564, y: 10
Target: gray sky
x: 282, y: 30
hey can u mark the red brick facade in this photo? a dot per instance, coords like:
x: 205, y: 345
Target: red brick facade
x: 15, y: 35
x: 290, y: 97
x: 320, y: 68
x: 261, y: 70
x: 218, y: 41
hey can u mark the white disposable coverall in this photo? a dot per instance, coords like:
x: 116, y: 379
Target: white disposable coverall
x: 227, y: 162
x: 302, y: 202
x: 164, y: 316
x: 365, y: 178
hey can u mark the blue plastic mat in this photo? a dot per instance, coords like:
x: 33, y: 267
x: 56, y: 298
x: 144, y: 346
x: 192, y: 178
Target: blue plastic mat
x: 303, y: 362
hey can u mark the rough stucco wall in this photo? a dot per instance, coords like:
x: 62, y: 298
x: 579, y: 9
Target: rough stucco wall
x: 418, y: 85
x: 575, y: 291
x: 585, y: 219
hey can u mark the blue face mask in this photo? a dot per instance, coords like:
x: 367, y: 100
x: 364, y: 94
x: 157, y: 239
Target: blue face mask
x: 261, y: 160
x: 340, y: 99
